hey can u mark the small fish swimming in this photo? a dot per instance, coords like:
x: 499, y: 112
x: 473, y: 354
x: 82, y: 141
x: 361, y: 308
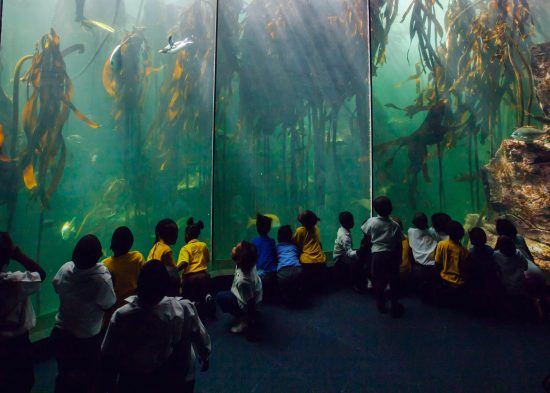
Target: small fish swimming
x: 527, y: 134
x: 74, y: 139
x: 364, y: 202
x: 275, y: 221
x: 115, y: 59
x: 68, y: 228
x: 176, y: 46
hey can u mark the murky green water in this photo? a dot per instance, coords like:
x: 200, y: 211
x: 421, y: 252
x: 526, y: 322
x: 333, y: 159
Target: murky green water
x: 291, y: 118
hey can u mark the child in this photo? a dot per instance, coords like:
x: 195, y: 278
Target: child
x: 246, y: 290
x: 405, y: 268
x: 289, y: 270
x: 507, y: 228
x: 124, y: 265
x: 193, y: 259
x: 166, y: 235
x: 422, y: 242
x: 17, y: 317
x: 308, y: 240
x: 439, y: 226
x: 344, y: 256
x: 386, y: 248
x: 85, y: 292
x: 512, y: 264
x: 151, y: 342
x: 267, y: 255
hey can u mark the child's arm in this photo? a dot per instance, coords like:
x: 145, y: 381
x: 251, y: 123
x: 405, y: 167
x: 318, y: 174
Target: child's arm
x: 438, y: 259
x: 17, y: 255
x: 200, y: 339
x: 183, y: 259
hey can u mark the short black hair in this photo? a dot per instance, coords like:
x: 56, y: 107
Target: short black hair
x: 382, y: 206
x: 420, y: 220
x: 87, y: 252
x: 152, y: 281
x: 193, y: 229
x: 440, y: 221
x: 284, y: 234
x: 167, y: 230
x: 506, y: 227
x: 478, y: 237
x: 308, y: 219
x: 246, y: 256
x: 122, y: 240
x: 506, y: 245
x: 346, y: 219
x: 263, y: 224
x: 455, y: 230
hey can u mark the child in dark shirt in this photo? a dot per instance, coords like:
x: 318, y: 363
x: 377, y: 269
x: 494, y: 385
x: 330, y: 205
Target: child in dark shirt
x: 267, y: 256
x: 289, y: 269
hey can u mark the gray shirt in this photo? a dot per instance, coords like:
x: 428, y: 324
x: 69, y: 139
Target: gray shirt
x: 385, y: 234
x: 343, y: 245
x: 512, y: 270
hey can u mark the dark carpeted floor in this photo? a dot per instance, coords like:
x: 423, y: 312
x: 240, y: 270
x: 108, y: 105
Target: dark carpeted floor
x: 340, y: 343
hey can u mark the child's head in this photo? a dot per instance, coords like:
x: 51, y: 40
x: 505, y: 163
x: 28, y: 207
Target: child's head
x: 506, y: 227
x: 284, y: 235
x: 167, y: 231
x: 382, y: 206
x: 455, y: 231
x: 122, y: 241
x: 245, y: 255
x: 398, y: 221
x: 478, y: 237
x: 420, y: 221
x: 440, y: 221
x: 152, y: 282
x: 193, y: 229
x: 308, y: 219
x: 346, y: 220
x: 506, y: 246
x: 263, y: 224
x: 6, y: 246
x: 87, y: 252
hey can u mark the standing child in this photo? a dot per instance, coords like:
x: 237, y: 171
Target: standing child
x: 17, y: 317
x: 308, y: 240
x: 85, y: 292
x: 166, y: 235
x: 193, y: 259
x: 344, y: 256
x: 289, y: 270
x: 267, y: 256
x: 124, y: 265
x: 246, y: 290
x: 151, y: 342
x: 386, y: 247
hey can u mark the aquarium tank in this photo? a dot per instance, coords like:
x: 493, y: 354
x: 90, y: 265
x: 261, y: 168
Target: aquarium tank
x: 124, y: 112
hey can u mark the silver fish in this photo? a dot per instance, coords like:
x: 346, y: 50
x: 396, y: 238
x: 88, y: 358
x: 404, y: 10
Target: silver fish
x: 116, y: 57
x: 176, y: 46
x: 527, y: 134
x: 68, y: 228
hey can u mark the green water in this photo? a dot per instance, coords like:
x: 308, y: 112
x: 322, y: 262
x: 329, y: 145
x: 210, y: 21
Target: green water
x: 291, y: 112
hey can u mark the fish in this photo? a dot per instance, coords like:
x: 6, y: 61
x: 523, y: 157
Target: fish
x: 275, y: 221
x: 68, y: 228
x: 93, y: 158
x: 90, y: 23
x: 115, y: 59
x: 192, y: 182
x: 364, y: 202
x: 527, y: 134
x: 74, y: 139
x: 176, y: 46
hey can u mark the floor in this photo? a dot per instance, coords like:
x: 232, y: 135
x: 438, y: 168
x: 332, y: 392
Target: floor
x: 339, y: 343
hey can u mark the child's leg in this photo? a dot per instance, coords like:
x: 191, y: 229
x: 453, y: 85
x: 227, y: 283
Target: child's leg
x: 380, y: 278
x: 229, y: 304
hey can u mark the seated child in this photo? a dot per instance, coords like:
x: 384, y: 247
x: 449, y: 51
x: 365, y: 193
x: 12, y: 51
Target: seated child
x: 193, y: 259
x: 151, y: 342
x: 505, y: 227
x: 439, y: 226
x: 85, y: 292
x: 422, y: 243
x: 289, y: 269
x: 512, y: 264
x: 308, y: 240
x: 17, y: 317
x: 386, y: 248
x: 450, y: 260
x: 166, y: 235
x: 344, y: 256
x: 124, y: 265
x: 246, y: 290
x: 267, y: 256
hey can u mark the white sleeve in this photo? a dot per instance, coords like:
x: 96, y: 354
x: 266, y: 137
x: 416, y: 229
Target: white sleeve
x: 106, y: 297
x: 200, y: 339
x: 111, y: 342
x: 350, y: 252
x: 27, y: 282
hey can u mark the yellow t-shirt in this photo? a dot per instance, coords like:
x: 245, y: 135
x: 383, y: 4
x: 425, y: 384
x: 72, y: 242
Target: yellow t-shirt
x: 196, y: 255
x: 451, y: 257
x: 406, y: 260
x: 163, y: 253
x: 310, y: 244
x: 125, y: 270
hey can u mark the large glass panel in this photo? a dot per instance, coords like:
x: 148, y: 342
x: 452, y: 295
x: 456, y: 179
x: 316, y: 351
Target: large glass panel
x: 101, y: 129
x: 292, y: 119
x: 452, y: 80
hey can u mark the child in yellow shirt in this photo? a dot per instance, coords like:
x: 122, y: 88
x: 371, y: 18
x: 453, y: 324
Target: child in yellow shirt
x: 308, y: 240
x: 193, y: 261
x: 166, y: 235
x: 450, y: 256
x: 124, y: 265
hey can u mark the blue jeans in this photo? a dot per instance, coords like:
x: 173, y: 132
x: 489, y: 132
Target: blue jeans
x: 229, y: 304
